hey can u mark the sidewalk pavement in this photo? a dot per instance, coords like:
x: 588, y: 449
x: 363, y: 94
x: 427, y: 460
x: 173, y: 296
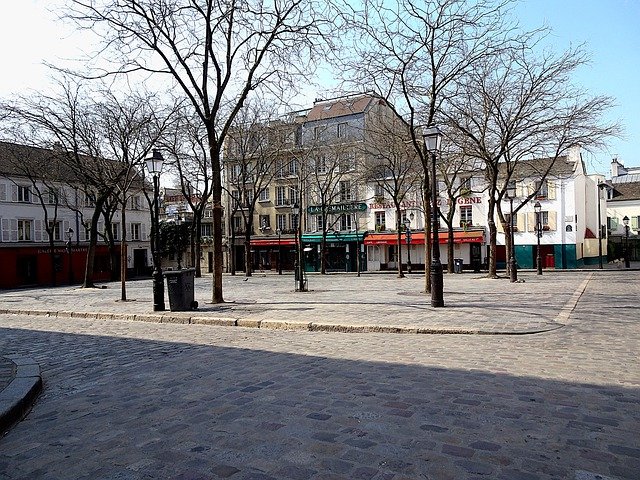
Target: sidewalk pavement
x: 346, y: 303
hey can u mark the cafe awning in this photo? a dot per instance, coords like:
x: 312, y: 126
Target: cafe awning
x: 272, y: 242
x: 417, y: 238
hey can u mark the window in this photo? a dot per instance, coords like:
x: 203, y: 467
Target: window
x: 89, y: 200
x: 56, y: 229
x: 237, y: 224
x: 319, y: 224
x: 281, y: 197
x: 206, y: 229
x: 342, y: 129
x: 316, y: 133
x: 466, y: 215
x: 380, y: 221
x: 265, y: 223
x: 24, y: 194
x: 135, y: 202
x: 293, y: 195
x: 465, y: 186
x: 115, y: 229
x: 345, y: 191
x: 293, y: 221
x: 542, y: 190
x: 24, y: 230
x: 87, y: 233
x: 346, y: 223
x: 293, y: 167
x: 612, y: 223
x: 53, y: 194
x: 347, y: 162
x: 208, y: 213
x: 544, y: 220
x: 321, y: 164
x: 280, y: 169
x: 235, y: 172
x: 135, y: 231
x: 379, y: 192
x: 263, y: 196
x: 281, y: 221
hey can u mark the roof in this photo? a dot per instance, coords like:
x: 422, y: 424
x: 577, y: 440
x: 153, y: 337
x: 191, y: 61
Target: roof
x: 342, y: 107
x: 625, y: 191
x: 562, y: 167
x: 49, y: 164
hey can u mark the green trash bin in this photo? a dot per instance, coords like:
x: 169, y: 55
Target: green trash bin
x: 180, y: 284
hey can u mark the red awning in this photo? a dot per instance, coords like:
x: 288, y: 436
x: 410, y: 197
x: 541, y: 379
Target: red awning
x: 417, y: 238
x: 272, y: 242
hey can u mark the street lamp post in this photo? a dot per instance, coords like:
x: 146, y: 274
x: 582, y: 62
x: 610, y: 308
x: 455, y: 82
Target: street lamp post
x: 407, y: 229
x: 69, y: 235
x: 299, y: 268
x: 601, y: 186
x: 154, y: 165
x: 513, y: 272
x: 538, y: 209
x: 627, y: 263
x: 279, y: 232
x: 432, y: 138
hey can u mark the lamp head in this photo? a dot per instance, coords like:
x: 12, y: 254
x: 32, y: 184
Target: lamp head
x: 625, y: 220
x: 432, y: 138
x: 537, y: 207
x: 511, y: 190
x: 154, y: 162
x: 295, y: 209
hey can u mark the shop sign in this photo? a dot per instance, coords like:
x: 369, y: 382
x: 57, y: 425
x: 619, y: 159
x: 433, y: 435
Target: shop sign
x: 337, y: 208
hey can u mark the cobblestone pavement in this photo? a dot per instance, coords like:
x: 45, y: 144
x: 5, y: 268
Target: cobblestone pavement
x: 475, y: 304
x: 136, y: 400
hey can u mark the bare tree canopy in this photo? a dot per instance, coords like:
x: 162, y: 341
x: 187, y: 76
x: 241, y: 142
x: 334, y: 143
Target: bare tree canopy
x: 217, y: 52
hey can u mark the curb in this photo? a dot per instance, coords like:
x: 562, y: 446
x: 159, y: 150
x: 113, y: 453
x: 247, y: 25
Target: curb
x: 17, y: 398
x: 286, y: 325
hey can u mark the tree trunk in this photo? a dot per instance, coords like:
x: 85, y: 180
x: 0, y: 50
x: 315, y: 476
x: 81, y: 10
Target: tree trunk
x: 93, y: 242
x: 123, y: 255
x: 493, y: 236
x: 399, y: 240
x: 52, y: 255
x: 248, y: 267
x: 426, y: 201
x: 216, y: 200
x: 450, y: 250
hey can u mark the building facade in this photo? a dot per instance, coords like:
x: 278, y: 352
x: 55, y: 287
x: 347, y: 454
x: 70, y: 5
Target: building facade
x: 33, y: 209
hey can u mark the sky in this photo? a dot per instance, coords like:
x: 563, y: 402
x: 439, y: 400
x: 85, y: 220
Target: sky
x: 30, y: 34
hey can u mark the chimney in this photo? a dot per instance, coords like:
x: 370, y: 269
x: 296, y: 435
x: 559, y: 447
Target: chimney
x: 617, y: 168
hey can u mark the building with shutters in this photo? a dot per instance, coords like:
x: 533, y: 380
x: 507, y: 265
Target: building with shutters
x: 29, y: 203
x: 569, y: 200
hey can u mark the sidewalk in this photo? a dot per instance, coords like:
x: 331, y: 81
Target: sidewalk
x: 474, y: 304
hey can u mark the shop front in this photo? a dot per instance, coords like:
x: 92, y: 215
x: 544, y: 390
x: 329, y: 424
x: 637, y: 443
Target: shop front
x: 382, y: 249
x: 341, y: 252
x: 273, y: 253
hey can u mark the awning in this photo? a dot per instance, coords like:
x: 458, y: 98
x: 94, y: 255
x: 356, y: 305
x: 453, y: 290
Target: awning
x: 333, y: 237
x: 417, y: 238
x: 272, y: 242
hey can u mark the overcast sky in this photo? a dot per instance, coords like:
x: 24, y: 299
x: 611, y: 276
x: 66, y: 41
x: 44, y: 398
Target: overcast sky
x: 30, y: 35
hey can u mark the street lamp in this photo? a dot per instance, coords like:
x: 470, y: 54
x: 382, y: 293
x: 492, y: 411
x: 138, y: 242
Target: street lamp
x: 299, y: 268
x: 279, y: 232
x: 513, y: 273
x: 601, y: 186
x: 625, y: 220
x: 407, y: 229
x: 538, y: 208
x: 432, y: 139
x: 154, y: 165
x: 69, y: 235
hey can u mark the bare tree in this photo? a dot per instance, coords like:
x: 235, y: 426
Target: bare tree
x: 521, y: 105
x: 253, y: 160
x: 71, y: 122
x: 187, y: 144
x: 217, y: 53
x: 130, y: 127
x: 392, y: 166
x: 413, y: 52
